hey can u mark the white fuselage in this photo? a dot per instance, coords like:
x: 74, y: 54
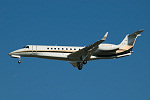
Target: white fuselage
x: 107, y: 51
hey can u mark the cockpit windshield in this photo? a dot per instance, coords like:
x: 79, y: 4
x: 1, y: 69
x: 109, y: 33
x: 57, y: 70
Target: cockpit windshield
x: 26, y: 47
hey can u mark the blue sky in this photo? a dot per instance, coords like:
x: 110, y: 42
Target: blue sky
x: 73, y: 23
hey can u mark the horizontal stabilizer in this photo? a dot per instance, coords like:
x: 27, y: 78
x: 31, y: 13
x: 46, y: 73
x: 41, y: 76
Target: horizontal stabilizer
x: 137, y: 33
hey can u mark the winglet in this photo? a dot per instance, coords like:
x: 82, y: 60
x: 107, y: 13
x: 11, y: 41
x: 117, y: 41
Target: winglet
x: 105, y: 36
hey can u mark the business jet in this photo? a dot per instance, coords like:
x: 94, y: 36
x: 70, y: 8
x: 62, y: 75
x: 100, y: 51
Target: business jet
x: 78, y: 56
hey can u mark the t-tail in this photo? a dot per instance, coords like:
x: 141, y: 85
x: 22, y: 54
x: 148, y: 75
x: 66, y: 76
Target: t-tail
x: 127, y: 44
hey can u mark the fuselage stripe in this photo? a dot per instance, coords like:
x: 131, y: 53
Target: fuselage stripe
x: 46, y: 51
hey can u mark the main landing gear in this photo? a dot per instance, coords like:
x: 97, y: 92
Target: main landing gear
x: 80, y: 64
x: 84, y: 62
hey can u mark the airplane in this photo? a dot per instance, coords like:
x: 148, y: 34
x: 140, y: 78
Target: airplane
x: 78, y: 56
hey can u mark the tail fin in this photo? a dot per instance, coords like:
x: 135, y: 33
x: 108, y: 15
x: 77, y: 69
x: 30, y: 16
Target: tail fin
x: 129, y: 40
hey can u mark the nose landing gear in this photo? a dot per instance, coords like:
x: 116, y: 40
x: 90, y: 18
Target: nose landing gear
x: 19, y: 61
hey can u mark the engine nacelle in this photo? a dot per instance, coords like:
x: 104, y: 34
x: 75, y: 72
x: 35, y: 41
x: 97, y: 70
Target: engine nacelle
x: 108, y: 47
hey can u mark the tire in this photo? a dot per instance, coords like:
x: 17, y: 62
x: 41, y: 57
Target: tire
x: 79, y: 68
x: 80, y: 65
x: 84, y: 62
x: 19, y: 61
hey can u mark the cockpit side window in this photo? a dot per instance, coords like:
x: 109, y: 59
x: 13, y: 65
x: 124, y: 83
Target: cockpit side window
x: 26, y: 47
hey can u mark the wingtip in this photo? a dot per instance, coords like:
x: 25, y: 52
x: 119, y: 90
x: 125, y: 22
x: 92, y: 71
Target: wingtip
x: 105, y: 36
x: 141, y: 30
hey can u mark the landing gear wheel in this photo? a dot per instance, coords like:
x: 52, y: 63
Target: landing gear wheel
x: 80, y: 65
x: 84, y: 62
x: 79, y: 68
x: 19, y: 61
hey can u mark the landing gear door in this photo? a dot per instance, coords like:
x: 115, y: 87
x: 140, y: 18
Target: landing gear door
x: 34, y: 49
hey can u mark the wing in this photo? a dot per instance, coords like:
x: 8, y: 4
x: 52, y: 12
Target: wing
x: 86, y: 52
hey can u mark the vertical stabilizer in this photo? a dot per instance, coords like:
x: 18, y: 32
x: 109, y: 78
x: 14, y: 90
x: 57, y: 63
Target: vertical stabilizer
x: 129, y: 40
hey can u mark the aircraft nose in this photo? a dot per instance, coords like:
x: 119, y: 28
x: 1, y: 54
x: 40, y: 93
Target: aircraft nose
x: 15, y: 52
x: 10, y: 53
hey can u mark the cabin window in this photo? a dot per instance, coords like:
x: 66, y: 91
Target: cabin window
x: 47, y: 48
x: 74, y: 48
x: 51, y: 48
x: 66, y: 48
x: 58, y: 48
x: 55, y: 48
x: 70, y: 48
x: 62, y: 48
